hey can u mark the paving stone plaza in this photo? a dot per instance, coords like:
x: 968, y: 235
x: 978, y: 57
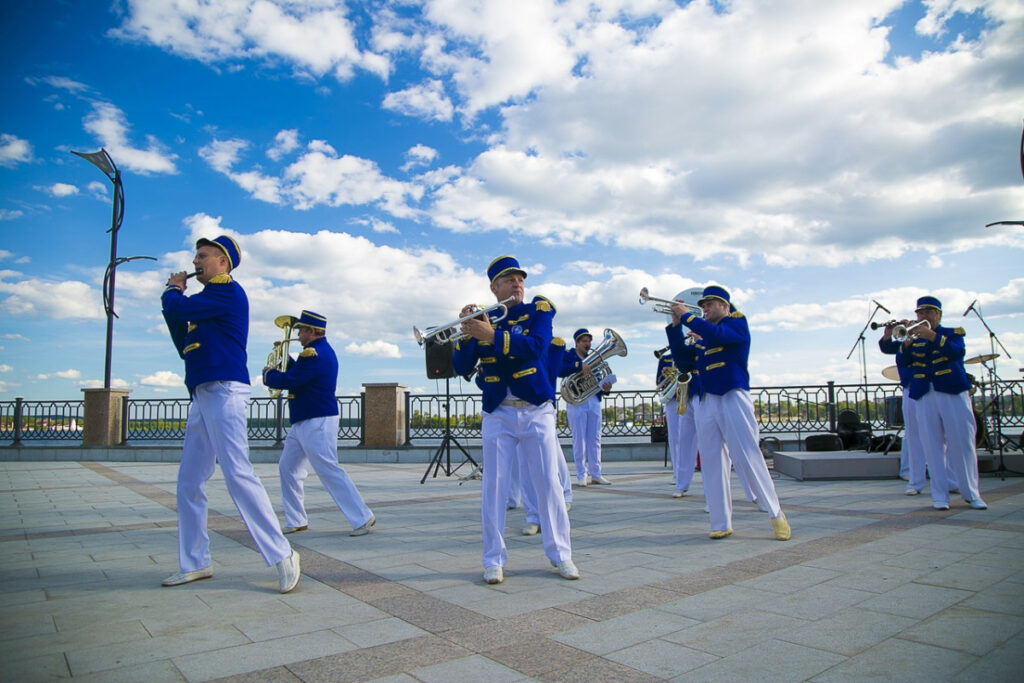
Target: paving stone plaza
x: 874, y: 585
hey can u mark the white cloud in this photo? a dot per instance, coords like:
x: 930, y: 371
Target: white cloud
x: 285, y: 142
x: 419, y: 155
x: 163, y: 378
x: 61, y: 190
x: 314, y: 36
x: 98, y: 190
x: 374, y: 349
x: 10, y: 214
x: 115, y: 382
x: 14, y: 150
x: 61, y: 374
x: 426, y: 101
x: 35, y: 297
x: 5, y: 368
x: 110, y: 126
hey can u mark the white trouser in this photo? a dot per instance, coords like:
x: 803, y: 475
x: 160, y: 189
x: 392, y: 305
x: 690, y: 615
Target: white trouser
x: 530, y: 495
x: 585, y: 423
x: 947, y: 431
x: 315, y: 442
x: 727, y: 422
x: 682, y: 441
x: 215, y: 432
x: 516, y: 496
x: 530, y: 431
x: 911, y: 452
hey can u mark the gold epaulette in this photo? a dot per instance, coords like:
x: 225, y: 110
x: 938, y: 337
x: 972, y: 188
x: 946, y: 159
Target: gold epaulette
x: 959, y: 331
x: 557, y: 341
x: 735, y: 314
x: 542, y: 304
x: 309, y: 352
x: 221, y: 279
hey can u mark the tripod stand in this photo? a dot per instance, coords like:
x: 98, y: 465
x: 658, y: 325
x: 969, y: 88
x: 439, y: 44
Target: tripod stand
x: 445, y: 449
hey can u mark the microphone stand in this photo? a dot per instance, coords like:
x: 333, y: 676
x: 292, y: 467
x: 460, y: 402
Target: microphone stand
x: 994, y: 381
x: 863, y: 357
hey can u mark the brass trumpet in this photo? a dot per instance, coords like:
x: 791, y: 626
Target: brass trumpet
x: 450, y: 332
x: 901, y: 331
x: 664, y: 306
x: 277, y: 359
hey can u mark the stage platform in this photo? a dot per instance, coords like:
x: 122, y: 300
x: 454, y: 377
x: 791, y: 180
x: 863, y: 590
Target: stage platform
x: 834, y: 465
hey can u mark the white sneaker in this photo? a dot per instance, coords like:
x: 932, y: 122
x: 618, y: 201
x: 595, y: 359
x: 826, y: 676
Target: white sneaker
x: 940, y: 506
x: 582, y: 482
x: 912, y: 492
x: 364, y: 529
x: 567, y: 570
x: 600, y: 480
x: 493, y: 574
x: 187, y: 577
x: 978, y: 504
x: 568, y: 506
x: 679, y: 494
x: 531, y: 530
x: 288, y: 572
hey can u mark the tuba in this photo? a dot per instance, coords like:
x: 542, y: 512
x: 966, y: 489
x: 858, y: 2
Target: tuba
x: 577, y: 387
x: 277, y: 359
x: 666, y: 389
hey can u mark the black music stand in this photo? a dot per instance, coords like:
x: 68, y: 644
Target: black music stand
x: 439, y: 364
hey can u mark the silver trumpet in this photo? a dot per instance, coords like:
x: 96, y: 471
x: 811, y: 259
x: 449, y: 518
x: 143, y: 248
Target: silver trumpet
x: 664, y: 306
x: 901, y: 331
x: 450, y: 332
x: 577, y: 387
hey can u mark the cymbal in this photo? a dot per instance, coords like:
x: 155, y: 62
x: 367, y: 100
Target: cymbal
x: 983, y: 358
x: 891, y: 373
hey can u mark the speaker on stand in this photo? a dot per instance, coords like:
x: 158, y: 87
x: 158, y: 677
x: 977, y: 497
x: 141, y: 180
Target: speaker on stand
x: 440, y: 366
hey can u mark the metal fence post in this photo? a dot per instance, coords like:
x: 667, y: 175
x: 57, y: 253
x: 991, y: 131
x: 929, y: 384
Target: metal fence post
x: 362, y: 418
x: 831, y: 406
x: 279, y: 420
x: 18, y: 405
x: 124, y: 421
x: 408, y: 418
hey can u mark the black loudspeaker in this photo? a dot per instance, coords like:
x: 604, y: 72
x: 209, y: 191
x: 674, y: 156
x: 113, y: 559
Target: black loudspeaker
x: 659, y: 433
x: 439, y: 359
x: 823, y: 442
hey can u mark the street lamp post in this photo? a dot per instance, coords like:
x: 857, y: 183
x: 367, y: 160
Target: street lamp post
x: 102, y: 161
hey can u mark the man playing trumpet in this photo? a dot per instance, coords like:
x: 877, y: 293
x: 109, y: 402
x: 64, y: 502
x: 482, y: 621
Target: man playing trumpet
x: 210, y: 329
x: 519, y: 413
x: 940, y: 388
x: 313, y: 438
x: 726, y: 426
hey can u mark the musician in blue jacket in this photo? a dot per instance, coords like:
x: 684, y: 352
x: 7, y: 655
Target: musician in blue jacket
x: 312, y: 382
x: 519, y: 412
x: 585, y: 418
x: 939, y: 384
x: 726, y: 426
x: 911, y: 450
x: 210, y: 329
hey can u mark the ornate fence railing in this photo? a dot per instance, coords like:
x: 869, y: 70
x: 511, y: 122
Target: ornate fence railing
x: 790, y: 411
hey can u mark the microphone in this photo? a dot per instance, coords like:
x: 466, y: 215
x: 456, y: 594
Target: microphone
x: 882, y: 307
x: 970, y: 308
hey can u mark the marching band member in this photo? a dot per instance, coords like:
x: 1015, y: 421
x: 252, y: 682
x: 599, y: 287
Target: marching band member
x: 726, y: 426
x: 210, y: 329
x: 911, y: 451
x: 939, y: 385
x: 555, y: 353
x: 679, y: 417
x: 312, y: 381
x: 585, y: 419
x: 518, y: 412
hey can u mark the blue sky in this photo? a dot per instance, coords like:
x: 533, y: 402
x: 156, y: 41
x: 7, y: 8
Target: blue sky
x: 372, y: 158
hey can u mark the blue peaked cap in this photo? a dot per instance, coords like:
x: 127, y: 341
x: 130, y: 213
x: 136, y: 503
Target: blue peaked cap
x: 225, y: 244
x: 502, y: 265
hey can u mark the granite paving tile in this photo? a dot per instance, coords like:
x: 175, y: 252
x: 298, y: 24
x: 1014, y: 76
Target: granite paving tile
x: 848, y: 631
x: 899, y: 660
x: 772, y: 660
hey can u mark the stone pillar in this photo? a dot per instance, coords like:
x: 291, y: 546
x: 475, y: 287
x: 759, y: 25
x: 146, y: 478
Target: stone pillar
x: 103, y: 416
x: 384, y: 414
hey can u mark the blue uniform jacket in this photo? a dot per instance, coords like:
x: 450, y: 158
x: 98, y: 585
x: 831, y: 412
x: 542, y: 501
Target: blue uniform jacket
x: 721, y: 357
x: 210, y: 329
x: 939, y: 364
x: 518, y: 358
x: 894, y: 348
x: 311, y: 381
x: 684, y: 357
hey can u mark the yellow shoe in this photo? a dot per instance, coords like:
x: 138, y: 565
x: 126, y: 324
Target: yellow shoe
x: 720, y: 534
x: 781, y: 527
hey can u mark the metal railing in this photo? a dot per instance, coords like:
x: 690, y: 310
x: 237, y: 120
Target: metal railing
x: 790, y: 411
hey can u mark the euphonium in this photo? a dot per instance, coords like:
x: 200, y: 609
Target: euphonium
x: 666, y: 389
x: 577, y: 387
x: 277, y: 359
